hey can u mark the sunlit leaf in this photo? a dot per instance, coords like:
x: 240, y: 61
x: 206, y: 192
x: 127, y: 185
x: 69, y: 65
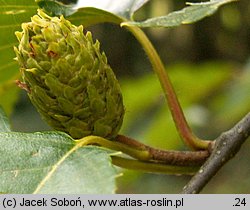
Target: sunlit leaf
x: 88, y: 12
x: 190, y: 14
x: 12, y: 14
x: 124, y: 8
x: 90, y: 16
x: 56, y: 7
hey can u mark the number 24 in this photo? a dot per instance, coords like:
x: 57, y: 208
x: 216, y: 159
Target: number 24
x: 240, y: 202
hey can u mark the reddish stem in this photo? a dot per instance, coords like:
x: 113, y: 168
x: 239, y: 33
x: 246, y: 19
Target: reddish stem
x: 180, y: 121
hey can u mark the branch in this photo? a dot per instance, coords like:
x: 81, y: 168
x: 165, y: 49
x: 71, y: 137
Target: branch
x: 170, y: 157
x: 226, y: 146
x: 148, y: 159
x: 143, y: 152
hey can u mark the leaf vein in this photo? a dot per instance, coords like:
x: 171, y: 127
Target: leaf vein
x: 55, y: 167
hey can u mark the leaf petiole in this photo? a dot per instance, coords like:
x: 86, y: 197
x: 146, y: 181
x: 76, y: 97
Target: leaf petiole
x: 117, y: 146
x: 152, y: 167
x: 178, y: 116
x: 147, y: 158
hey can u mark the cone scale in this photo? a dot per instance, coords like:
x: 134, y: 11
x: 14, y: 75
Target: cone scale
x: 68, y: 79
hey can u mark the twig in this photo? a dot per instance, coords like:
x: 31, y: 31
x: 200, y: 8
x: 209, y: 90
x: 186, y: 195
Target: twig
x: 148, y: 159
x: 226, y: 146
x: 171, y: 157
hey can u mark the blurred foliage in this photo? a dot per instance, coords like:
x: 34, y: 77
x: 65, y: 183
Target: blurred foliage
x: 147, y: 116
x: 11, y: 17
x: 209, y: 66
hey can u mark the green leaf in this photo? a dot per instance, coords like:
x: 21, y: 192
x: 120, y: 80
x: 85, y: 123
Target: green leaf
x: 51, y: 162
x: 56, y: 7
x: 4, y: 122
x: 122, y: 9
x: 190, y: 14
x: 12, y: 14
x: 79, y: 15
x: 90, y: 16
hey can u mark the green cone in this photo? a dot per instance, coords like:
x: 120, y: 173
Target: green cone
x: 68, y: 79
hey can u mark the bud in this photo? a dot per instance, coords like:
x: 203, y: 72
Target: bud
x: 68, y: 79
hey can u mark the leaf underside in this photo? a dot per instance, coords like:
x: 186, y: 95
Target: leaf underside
x: 190, y: 14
